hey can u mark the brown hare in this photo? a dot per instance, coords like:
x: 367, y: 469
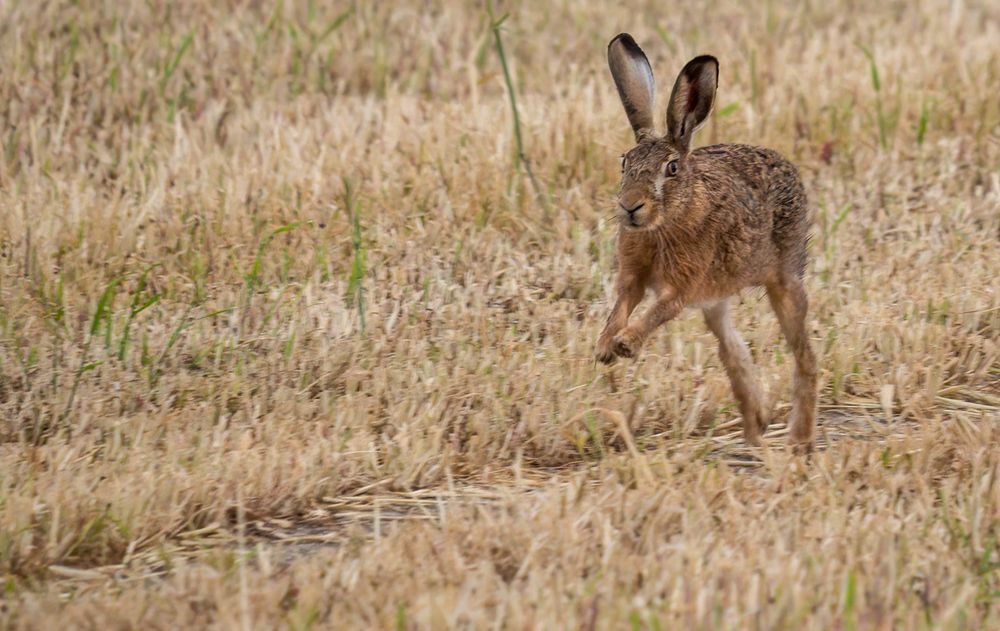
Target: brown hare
x: 698, y: 226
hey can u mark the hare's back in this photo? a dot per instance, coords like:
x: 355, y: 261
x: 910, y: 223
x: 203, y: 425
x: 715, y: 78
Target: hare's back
x: 764, y: 192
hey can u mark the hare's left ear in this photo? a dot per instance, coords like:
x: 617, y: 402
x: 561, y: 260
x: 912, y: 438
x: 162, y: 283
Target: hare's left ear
x: 692, y: 99
x: 634, y: 80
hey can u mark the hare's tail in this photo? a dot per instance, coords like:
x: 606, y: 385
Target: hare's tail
x: 791, y: 218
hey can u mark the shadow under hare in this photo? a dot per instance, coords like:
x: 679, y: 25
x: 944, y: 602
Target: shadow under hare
x: 698, y: 226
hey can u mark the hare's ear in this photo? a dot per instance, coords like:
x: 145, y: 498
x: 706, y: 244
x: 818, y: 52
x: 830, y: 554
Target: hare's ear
x: 692, y: 99
x: 634, y: 80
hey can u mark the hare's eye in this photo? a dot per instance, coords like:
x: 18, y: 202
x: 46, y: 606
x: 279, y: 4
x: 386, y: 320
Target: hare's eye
x: 622, y: 158
x: 671, y: 168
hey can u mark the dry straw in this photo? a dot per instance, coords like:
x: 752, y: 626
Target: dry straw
x: 232, y: 395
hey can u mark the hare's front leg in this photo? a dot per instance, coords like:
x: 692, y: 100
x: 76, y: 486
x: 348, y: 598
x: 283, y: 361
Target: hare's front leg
x: 629, y: 295
x: 667, y: 306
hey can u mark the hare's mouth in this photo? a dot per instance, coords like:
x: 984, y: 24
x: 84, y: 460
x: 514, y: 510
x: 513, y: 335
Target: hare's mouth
x: 632, y: 223
x: 631, y: 216
x: 635, y: 223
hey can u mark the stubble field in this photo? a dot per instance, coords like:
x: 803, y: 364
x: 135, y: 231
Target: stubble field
x: 289, y: 339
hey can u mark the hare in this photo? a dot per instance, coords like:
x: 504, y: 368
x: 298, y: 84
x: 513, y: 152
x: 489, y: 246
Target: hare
x: 698, y: 226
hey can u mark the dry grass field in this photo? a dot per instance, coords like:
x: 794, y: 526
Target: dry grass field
x: 288, y: 338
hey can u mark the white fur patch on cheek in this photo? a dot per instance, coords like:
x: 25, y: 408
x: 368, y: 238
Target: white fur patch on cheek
x: 658, y: 186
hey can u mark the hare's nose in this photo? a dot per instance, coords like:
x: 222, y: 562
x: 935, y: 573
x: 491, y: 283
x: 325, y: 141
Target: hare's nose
x: 632, y: 211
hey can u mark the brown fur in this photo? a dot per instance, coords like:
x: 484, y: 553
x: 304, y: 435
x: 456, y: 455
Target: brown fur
x: 727, y: 217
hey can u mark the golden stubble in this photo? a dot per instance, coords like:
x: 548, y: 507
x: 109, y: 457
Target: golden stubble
x: 247, y: 456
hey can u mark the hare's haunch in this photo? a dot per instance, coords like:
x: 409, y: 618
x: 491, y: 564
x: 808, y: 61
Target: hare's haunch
x: 698, y: 226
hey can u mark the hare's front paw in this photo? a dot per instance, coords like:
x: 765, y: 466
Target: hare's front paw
x: 604, y: 353
x: 627, y: 343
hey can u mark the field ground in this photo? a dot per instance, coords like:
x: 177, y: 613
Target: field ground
x: 287, y: 338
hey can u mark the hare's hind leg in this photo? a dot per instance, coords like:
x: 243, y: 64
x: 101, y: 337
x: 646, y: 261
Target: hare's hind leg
x: 788, y: 298
x: 739, y: 366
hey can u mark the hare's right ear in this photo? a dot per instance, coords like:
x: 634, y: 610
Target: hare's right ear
x: 634, y: 80
x: 692, y: 99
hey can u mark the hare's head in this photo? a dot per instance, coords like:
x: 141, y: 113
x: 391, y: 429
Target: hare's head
x: 655, y: 174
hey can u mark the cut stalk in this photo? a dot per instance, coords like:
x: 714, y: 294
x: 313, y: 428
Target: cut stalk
x: 521, y: 158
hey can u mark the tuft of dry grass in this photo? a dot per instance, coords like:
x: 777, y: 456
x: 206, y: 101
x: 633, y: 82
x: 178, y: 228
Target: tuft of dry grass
x: 287, y: 337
